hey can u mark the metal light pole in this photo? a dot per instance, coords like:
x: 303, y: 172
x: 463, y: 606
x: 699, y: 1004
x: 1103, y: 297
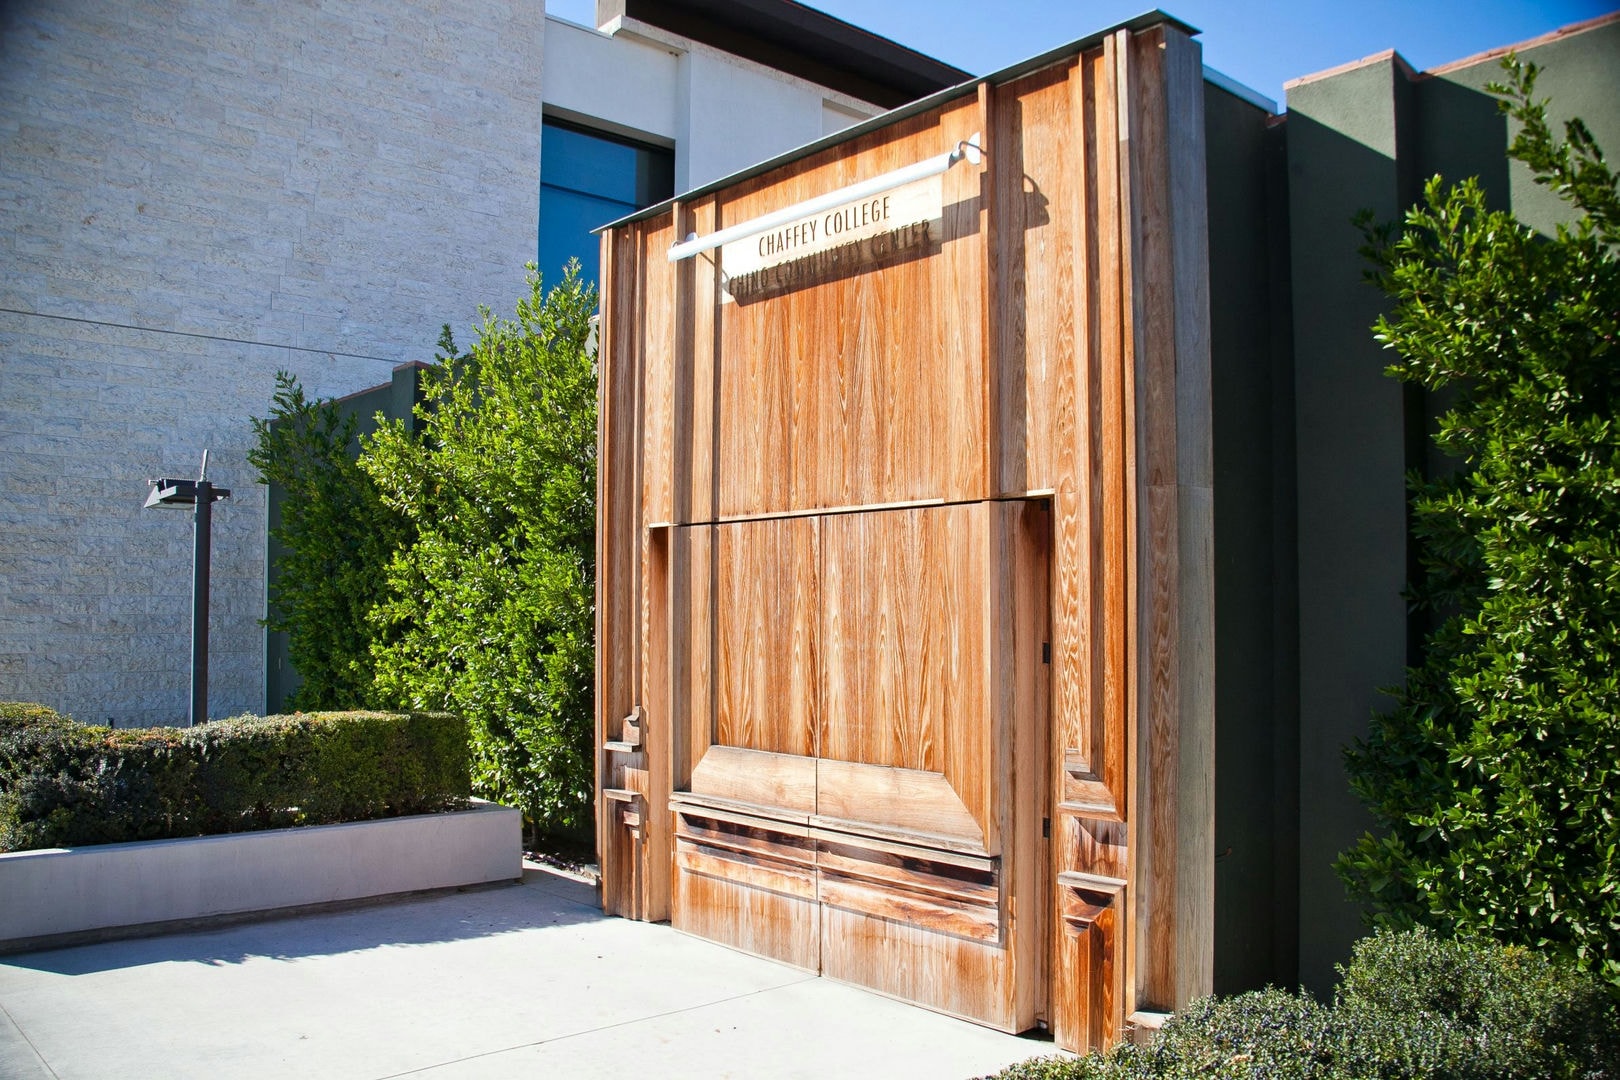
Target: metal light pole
x: 199, y: 494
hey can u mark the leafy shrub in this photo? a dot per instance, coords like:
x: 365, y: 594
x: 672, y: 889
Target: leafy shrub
x: 65, y: 784
x: 1409, y: 1006
x: 18, y: 714
x: 1413, y: 1004
x: 492, y: 605
x: 1493, y: 778
x: 337, y: 538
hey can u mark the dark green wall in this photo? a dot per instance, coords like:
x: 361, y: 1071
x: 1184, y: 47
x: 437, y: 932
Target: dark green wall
x: 395, y: 400
x: 1344, y: 136
x: 1366, y: 138
x: 1256, y: 686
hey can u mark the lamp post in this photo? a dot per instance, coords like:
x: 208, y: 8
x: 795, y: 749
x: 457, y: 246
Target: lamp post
x: 201, y: 494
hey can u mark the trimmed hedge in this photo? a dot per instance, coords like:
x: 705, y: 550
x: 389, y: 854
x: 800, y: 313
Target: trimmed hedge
x: 65, y: 784
x: 1409, y: 1005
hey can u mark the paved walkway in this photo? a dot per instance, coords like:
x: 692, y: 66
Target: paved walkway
x: 519, y: 981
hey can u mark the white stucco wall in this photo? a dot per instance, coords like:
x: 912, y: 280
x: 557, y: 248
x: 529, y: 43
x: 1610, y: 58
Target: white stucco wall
x: 721, y: 113
x: 192, y: 196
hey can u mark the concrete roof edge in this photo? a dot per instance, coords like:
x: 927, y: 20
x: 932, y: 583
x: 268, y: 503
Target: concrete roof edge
x: 1502, y: 50
x: 1456, y: 65
x: 1380, y: 57
x: 1242, y: 91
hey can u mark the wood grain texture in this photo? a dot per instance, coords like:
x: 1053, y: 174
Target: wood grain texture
x: 907, y: 566
x: 862, y: 389
x: 617, y: 548
x: 651, y: 713
x: 888, y: 901
x: 904, y: 652
x: 1090, y: 942
x: 1189, y: 202
x: 781, y: 784
x: 911, y: 801
x: 761, y: 921
x: 759, y: 856
x: 1121, y: 70
x: 692, y: 645
x: 1025, y: 675
x: 916, y: 870
x: 1174, y: 895
x: 952, y: 974
x: 767, y: 629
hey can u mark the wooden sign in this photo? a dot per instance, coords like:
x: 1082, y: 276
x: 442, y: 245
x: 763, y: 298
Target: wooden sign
x: 904, y: 611
x: 851, y: 238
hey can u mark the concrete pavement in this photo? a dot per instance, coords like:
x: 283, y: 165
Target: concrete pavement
x: 526, y: 981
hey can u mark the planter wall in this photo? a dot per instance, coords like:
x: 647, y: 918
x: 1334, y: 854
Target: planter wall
x: 58, y: 895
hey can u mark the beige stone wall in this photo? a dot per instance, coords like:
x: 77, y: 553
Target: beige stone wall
x: 195, y: 194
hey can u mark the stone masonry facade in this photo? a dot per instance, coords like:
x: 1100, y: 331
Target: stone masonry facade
x: 194, y: 195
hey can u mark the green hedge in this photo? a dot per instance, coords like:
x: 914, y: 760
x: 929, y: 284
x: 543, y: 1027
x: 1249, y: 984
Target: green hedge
x: 1409, y: 1005
x: 65, y: 784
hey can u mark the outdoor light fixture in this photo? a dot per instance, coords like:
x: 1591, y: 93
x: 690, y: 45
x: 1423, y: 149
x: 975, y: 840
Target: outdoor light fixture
x: 966, y: 149
x: 201, y: 494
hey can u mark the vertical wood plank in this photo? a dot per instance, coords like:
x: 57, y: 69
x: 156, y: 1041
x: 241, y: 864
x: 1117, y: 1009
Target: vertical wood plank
x: 663, y: 344
x: 692, y: 647
x: 1154, y: 311
x: 988, y: 263
x: 657, y: 726
x: 768, y: 629
x: 1195, y: 774
x: 616, y: 547
x: 1126, y: 649
x: 691, y: 450
x: 1026, y: 804
x: 1175, y: 828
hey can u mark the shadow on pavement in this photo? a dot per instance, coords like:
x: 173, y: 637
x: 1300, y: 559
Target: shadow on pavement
x: 543, y: 900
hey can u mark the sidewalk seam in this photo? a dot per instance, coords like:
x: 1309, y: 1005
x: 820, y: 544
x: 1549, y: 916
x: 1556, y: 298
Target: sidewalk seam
x: 13, y: 1021
x: 593, y: 1031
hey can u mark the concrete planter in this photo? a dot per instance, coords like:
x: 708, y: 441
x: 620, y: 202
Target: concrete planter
x: 57, y: 896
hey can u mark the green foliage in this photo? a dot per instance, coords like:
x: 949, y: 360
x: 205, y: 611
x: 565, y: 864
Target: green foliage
x: 18, y: 714
x: 1409, y: 1005
x: 1494, y: 777
x: 338, y: 538
x: 491, y: 607
x: 65, y: 784
x: 1413, y: 1004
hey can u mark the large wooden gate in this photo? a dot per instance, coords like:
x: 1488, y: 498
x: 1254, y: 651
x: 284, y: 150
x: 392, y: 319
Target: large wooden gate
x: 904, y: 616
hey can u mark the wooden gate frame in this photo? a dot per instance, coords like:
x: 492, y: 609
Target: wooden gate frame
x: 1131, y: 873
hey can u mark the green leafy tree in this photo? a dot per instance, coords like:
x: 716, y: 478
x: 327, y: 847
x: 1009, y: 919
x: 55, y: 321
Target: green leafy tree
x: 1495, y: 776
x: 337, y: 537
x: 491, y: 606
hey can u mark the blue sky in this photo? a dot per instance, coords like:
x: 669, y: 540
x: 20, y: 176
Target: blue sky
x: 1262, y: 43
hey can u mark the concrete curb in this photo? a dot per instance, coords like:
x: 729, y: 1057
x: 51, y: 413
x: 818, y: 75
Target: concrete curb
x: 54, y: 896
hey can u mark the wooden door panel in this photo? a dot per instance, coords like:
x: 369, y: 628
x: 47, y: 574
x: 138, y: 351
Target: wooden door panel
x: 748, y: 883
x: 766, y: 619
x: 859, y: 687
x: 746, y: 642
x: 906, y: 801
x: 784, y: 784
x: 918, y: 963
x: 907, y: 602
x: 955, y: 895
